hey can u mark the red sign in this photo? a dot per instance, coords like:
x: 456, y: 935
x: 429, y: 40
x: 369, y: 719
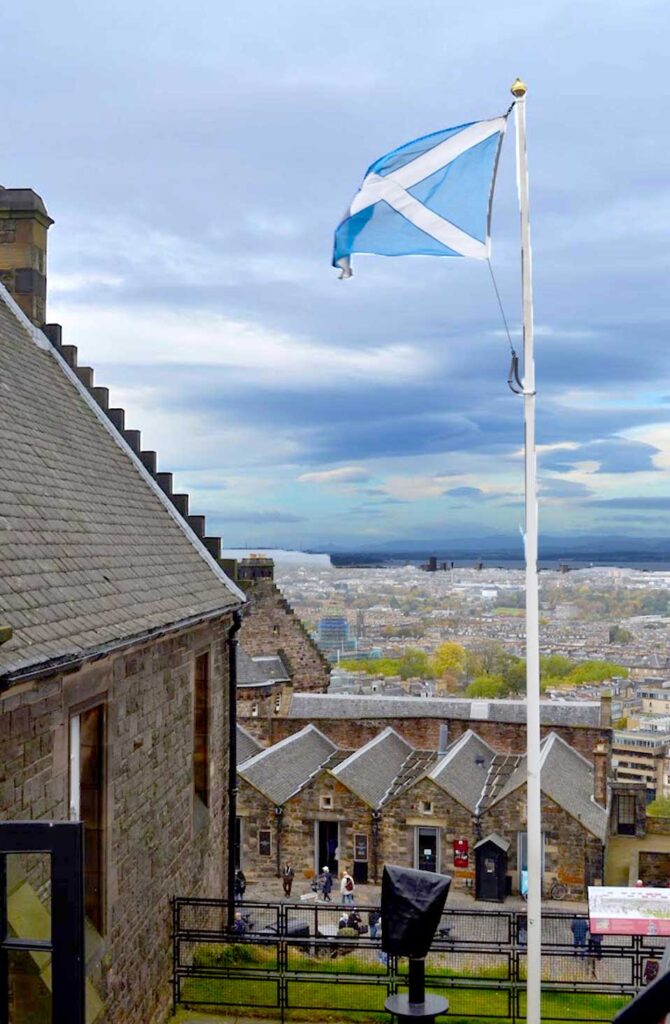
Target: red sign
x: 461, y: 856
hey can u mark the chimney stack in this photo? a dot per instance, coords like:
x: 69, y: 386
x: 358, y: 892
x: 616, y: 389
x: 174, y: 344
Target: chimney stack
x: 600, y: 773
x: 24, y: 223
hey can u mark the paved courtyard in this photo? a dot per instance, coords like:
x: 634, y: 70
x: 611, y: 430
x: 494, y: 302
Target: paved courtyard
x: 270, y: 889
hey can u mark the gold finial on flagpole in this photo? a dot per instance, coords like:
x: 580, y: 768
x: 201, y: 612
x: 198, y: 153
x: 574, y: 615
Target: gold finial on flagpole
x: 518, y: 88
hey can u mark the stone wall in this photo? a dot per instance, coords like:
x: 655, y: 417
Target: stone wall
x: 298, y: 832
x: 424, y: 733
x: 154, y: 847
x: 402, y: 815
x: 657, y: 826
x: 572, y: 855
x: 271, y: 626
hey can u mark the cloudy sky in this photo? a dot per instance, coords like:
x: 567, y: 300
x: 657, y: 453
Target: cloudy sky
x: 196, y: 159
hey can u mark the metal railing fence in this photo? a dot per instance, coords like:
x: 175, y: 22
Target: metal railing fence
x: 295, y: 960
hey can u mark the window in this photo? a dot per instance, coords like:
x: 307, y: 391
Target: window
x: 625, y: 814
x: 87, y: 803
x: 254, y: 710
x: 426, y: 806
x: 275, y: 630
x: 277, y: 705
x: 265, y: 842
x: 326, y: 803
x: 201, y: 729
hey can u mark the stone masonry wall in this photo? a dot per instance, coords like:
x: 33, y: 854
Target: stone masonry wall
x: 424, y: 733
x: 572, y: 855
x: 404, y: 813
x: 297, y: 841
x: 154, y: 849
x: 271, y: 626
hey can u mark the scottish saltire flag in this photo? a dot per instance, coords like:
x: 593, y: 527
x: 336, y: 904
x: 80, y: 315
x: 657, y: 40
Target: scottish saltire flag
x: 430, y: 197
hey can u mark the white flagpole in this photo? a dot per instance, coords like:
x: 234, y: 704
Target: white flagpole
x: 534, y: 799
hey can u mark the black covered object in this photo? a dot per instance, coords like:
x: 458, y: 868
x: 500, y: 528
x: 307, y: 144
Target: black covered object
x: 650, y: 1006
x: 412, y: 904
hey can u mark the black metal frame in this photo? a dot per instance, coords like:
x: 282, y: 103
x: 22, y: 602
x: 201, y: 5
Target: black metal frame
x: 467, y: 935
x: 64, y: 841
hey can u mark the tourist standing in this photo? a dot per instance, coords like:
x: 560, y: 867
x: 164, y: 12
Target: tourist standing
x: 347, y: 888
x: 326, y: 883
x: 287, y: 876
x: 240, y: 885
x: 579, y: 928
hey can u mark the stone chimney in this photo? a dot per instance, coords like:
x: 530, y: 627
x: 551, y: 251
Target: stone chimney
x: 606, y: 709
x: 24, y: 223
x: 600, y: 773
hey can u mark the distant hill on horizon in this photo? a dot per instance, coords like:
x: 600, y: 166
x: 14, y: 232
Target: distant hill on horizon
x: 583, y: 548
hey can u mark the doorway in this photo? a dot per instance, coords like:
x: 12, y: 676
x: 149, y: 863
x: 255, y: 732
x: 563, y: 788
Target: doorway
x: 328, y: 846
x: 522, y: 857
x: 426, y: 848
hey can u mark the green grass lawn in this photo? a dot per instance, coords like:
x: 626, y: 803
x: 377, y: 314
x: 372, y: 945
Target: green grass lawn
x: 312, y: 999
x: 331, y: 998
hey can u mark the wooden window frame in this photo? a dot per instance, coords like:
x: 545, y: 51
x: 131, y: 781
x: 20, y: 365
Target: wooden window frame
x: 201, y: 715
x: 95, y: 895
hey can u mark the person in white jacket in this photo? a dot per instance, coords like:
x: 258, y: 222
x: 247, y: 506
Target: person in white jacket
x: 347, y: 888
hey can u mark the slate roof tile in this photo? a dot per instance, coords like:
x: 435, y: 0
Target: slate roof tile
x: 313, y: 706
x: 371, y: 771
x: 281, y: 770
x: 89, y: 553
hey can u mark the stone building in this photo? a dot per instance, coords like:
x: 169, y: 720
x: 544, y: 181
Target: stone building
x: 305, y: 799
x: 281, y: 656
x: 350, y: 720
x: 114, y: 673
x: 271, y: 826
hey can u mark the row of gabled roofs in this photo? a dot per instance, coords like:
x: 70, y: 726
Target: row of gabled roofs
x: 470, y: 771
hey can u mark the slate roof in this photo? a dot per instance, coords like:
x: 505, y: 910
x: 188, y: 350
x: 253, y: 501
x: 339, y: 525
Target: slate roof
x: 281, y: 770
x: 313, y: 706
x: 566, y: 778
x: 247, y: 745
x: 372, y: 770
x: 260, y: 670
x: 92, y: 554
x: 463, y: 770
x: 497, y: 840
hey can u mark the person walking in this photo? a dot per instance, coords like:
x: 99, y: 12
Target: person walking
x: 347, y: 888
x: 326, y: 883
x: 579, y: 928
x: 287, y: 876
x: 374, y: 921
x: 240, y: 885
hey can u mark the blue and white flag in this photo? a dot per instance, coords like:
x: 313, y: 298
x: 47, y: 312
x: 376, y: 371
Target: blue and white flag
x: 430, y: 197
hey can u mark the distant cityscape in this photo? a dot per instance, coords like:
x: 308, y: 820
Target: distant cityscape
x: 609, y: 614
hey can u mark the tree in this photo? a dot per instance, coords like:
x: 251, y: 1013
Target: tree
x: 514, y: 676
x: 486, y: 686
x: 594, y: 672
x: 448, y: 659
x: 415, y: 663
x: 619, y: 635
x: 555, y: 665
x: 659, y: 808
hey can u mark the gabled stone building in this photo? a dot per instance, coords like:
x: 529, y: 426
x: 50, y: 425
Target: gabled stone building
x: 390, y: 802
x: 114, y: 679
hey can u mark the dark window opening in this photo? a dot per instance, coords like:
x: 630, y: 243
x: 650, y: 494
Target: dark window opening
x: 92, y: 809
x: 625, y: 817
x: 201, y: 729
x: 265, y: 843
